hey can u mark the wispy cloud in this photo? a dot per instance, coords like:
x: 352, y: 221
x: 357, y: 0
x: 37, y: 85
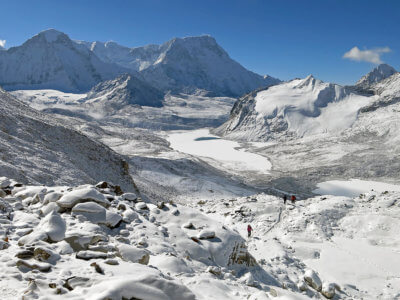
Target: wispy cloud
x: 368, y: 55
x: 2, y: 43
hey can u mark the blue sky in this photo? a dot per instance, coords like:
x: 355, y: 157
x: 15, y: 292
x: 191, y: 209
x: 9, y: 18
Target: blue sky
x: 285, y: 39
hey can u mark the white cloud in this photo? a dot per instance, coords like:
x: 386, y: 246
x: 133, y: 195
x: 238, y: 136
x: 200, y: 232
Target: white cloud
x: 368, y: 55
x: 2, y: 43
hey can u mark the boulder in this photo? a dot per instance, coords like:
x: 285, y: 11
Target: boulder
x: 112, y: 219
x: 313, y: 280
x: 129, y: 216
x: 129, y: 196
x: 141, y: 206
x: 49, y: 208
x: 133, y: 254
x: 54, y: 226
x: 45, y: 255
x: 81, y: 241
x: 30, y: 192
x: 86, y: 194
x: 241, y: 256
x: 328, y: 290
x: 188, y: 225
x: 88, y: 254
x: 92, y: 211
x: 4, y: 182
x: 42, y: 267
x: 206, y: 234
x: 214, y: 270
x: 25, y: 254
x: 4, y: 245
x: 52, y: 197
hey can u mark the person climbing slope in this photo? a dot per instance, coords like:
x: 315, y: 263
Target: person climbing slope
x: 249, y: 230
x: 293, y: 199
x: 284, y: 199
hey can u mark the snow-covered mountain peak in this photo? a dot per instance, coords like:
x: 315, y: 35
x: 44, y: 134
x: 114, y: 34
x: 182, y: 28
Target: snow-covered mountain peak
x: 125, y: 90
x: 376, y: 75
x: 52, y: 60
x: 51, y: 35
x: 296, y: 108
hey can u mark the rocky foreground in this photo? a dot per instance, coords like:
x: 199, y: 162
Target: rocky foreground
x: 97, y: 242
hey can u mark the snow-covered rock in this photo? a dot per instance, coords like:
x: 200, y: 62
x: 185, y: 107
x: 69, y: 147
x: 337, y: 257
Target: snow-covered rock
x: 92, y: 211
x: 54, y: 226
x: 206, y: 234
x: 112, y: 219
x: 74, y: 197
x: 328, y: 290
x: 313, y: 280
x: 133, y: 254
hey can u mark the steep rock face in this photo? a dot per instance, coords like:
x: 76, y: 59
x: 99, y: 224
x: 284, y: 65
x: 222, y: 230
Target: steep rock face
x: 293, y: 109
x: 378, y: 74
x: 389, y: 87
x: 35, y: 148
x: 185, y: 64
x: 51, y: 60
x: 123, y: 91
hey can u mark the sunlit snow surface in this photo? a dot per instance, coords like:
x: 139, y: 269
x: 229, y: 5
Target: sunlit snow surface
x: 353, y: 187
x: 202, y: 143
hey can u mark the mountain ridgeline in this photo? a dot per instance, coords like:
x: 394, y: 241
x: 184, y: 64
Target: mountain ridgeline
x: 51, y: 60
x: 304, y: 107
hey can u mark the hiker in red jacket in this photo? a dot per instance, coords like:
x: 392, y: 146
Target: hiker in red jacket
x: 249, y: 230
x: 293, y: 199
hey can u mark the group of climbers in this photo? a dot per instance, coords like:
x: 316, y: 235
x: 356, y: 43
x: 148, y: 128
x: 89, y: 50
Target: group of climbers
x: 292, y: 199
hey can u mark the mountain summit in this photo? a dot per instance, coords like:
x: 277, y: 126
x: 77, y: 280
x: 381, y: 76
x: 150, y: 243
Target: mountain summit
x: 184, y: 65
x: 379, y: 73
x: 52, y: 60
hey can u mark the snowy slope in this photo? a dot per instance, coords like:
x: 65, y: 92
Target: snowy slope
x: 351, y: 242
x: 379, y: 73
x: 36, y: 148
x: 184, y: 64
x: 51, y: 60
x: 297, y: 108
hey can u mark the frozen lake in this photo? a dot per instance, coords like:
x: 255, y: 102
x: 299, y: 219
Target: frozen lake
x: 353, y: 187
x: 226, y: 153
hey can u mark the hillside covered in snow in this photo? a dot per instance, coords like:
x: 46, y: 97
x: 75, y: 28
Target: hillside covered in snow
x: 36, y: 148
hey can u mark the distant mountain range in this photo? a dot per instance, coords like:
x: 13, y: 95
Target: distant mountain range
x: 51, y: 60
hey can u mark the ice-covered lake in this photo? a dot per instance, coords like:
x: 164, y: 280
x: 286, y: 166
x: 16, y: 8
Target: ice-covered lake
x: 353, y: 187
x: 226, y: 153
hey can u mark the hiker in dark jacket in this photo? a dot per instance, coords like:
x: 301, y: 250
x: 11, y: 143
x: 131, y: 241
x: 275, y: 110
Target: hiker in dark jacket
x: 249, y: 230
x: 284, y: 199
